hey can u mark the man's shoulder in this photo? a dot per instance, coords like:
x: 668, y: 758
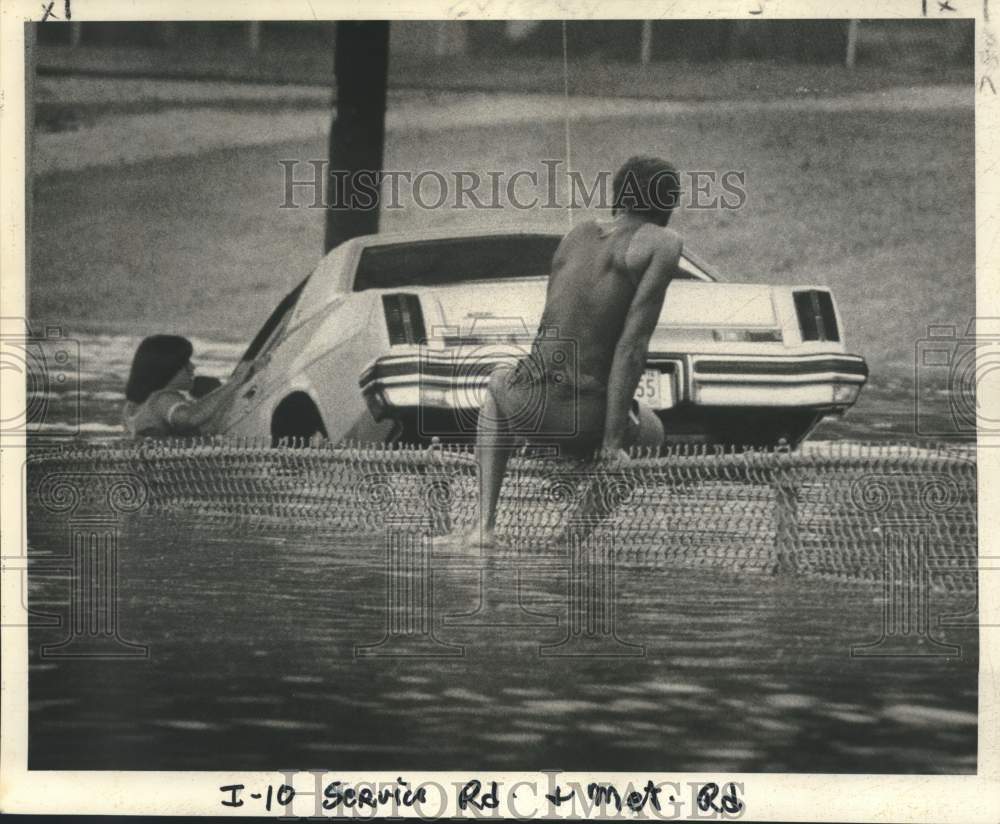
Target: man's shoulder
x: 653, y: 242
x: 580, y: 235
x: 659, y: 238
x: 586, y: 227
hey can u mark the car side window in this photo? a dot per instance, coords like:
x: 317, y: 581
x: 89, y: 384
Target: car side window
x: 267, y: 331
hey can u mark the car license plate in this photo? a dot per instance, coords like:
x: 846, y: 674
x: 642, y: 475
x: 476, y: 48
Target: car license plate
x: 655, y: 389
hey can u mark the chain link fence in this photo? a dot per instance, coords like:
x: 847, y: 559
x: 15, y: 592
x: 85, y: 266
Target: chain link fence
x: 829, y: 510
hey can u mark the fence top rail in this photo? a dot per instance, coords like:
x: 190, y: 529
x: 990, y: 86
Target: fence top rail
x: 829, y: 510
x: 402, y: 456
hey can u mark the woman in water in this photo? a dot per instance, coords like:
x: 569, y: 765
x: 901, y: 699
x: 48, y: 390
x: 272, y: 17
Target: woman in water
x: 158, y: 392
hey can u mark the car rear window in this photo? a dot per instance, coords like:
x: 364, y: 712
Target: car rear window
x: 455, y: 260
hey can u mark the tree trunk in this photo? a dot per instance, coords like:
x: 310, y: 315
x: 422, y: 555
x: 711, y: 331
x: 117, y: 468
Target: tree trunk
x: 357, y: 135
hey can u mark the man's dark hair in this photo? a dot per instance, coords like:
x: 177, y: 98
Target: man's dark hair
x: 647, y: 186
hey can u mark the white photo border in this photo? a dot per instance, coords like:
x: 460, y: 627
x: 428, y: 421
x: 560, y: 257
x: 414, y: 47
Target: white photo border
x: 804, y: 797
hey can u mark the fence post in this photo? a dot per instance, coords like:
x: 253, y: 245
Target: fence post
x: 852, y: 43
x: 786, y: 515
x: 646, y: 45
x: 253, y: 36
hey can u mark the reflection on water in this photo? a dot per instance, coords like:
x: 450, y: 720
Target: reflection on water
x: 252, y: 665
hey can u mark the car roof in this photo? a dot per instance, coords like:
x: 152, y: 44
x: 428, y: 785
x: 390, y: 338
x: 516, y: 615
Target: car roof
x: 388, y: 238
x: 417, y: 235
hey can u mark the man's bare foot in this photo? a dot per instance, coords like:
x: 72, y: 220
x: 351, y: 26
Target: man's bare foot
x: 474, y: 538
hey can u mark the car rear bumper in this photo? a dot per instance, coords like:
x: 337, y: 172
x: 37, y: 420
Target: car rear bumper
x: 828, y: 383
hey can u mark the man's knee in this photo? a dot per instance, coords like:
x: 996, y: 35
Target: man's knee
x: 647, y: 428
x: 491, y: 410
x: 498, y: 377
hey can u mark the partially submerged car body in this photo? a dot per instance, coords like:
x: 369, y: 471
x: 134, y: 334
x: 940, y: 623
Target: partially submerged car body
x: 393, y: 337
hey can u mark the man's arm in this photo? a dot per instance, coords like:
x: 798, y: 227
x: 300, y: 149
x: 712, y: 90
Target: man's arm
x: 655, y: 255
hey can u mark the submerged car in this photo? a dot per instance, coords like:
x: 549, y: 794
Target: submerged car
x: 393, y: 337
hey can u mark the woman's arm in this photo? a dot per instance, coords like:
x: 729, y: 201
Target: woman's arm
x: 186, y: 417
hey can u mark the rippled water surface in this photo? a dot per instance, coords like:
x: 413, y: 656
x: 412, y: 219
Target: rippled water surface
x: 252, y: 663
x: 254, y: 642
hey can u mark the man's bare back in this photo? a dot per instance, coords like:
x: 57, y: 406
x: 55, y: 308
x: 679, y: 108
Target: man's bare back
x: 604, y: 296
x: 590, y: 291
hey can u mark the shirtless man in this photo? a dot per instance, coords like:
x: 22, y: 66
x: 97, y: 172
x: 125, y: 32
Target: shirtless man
x: 604, y: 297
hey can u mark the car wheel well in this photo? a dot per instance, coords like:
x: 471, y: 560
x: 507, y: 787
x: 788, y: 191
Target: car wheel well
x: 296, y: 416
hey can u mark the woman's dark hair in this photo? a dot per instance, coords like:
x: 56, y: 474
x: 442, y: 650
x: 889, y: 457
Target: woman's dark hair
x: 156, y: 361
x: 647, y: 186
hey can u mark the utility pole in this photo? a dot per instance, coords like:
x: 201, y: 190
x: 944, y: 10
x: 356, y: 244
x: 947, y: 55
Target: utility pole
x: 357, y: 134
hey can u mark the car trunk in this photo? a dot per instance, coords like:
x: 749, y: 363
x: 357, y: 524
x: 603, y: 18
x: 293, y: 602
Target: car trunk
x: 514, y: 308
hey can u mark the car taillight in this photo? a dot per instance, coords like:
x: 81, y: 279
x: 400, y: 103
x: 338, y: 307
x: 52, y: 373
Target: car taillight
x: 747, y: 335
x: 404, y: 319
x: 817, y: 319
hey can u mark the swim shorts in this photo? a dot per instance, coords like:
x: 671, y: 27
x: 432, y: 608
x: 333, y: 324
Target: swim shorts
x: 545, y: 406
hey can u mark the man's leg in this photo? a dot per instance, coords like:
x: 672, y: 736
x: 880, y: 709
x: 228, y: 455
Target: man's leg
x: 595, y: 502
x: 493, y: 450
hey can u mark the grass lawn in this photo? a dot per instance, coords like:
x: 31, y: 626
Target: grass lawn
x: 878, y: 205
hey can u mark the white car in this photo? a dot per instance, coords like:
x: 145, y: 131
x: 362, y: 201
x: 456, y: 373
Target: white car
x: 393, y: 337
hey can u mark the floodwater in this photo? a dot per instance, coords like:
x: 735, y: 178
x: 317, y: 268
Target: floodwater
x: 264, y: 651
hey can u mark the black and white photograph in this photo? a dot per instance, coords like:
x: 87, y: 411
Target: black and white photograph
x: 397, y: 406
